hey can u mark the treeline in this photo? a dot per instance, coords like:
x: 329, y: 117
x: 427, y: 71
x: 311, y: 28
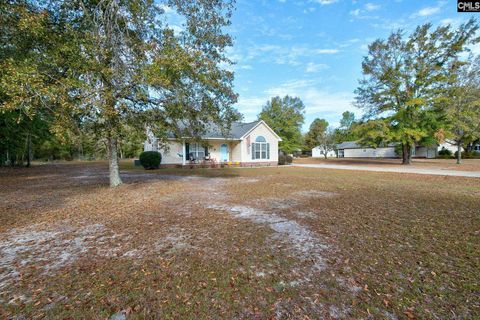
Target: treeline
x: 23, y: 142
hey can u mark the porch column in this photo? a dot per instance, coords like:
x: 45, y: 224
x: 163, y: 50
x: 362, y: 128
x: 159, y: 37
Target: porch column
x: 184, y: 156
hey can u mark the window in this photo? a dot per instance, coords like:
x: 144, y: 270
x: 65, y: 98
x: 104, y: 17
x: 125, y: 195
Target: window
x: 260, y: 148
x: 196, y: 151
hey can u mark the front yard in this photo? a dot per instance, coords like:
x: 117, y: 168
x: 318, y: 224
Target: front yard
x: 237, y: 243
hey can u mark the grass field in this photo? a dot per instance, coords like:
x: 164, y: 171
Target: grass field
x: 237, y: 243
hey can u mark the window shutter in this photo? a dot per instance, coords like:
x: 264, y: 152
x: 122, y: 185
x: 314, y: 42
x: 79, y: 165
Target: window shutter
x: 253, y: 151
x: 268, y: 150
x: 206, y: 151
x: 187, y: 151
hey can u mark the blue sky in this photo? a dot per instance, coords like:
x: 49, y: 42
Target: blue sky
x: 313, y: 48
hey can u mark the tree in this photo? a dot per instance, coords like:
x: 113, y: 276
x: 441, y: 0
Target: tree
x: 348, y: 119
x: 285, y: 116
x: 374, y: 133
x: 119, y: 62
x: 405, y: 78
x: 462, y: 105
x: 320, y: 135
x: 25, y: 39
x: 316, y: 133
x: 346, y: 131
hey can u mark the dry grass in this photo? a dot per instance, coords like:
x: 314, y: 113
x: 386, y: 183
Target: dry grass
x: 237, y: 243
x: 444, y: 164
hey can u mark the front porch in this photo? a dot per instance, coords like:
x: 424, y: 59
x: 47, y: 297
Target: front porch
x: 211, y: 153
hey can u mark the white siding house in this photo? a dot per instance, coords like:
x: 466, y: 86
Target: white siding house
x: 247, y: 144
x: 351, y: 149
x: 449, y: 145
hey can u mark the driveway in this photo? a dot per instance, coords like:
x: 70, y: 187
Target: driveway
x: 403, y: 169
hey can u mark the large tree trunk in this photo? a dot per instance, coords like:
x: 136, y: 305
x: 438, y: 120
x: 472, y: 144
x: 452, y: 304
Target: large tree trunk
x: 406, y: 157
x: 459, y: 153
x: 409, y: 153
x: 115, y: 179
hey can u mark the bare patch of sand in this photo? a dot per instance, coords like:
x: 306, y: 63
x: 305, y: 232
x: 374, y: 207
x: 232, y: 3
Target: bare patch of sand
x: 298, y: 237
x: 51, y: 249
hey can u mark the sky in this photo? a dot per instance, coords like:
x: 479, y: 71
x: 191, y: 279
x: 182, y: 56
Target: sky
x: 313, y: 49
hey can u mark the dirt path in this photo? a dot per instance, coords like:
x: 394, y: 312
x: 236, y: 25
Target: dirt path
x: 438, y: 172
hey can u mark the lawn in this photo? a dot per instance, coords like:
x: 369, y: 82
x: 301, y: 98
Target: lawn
x: 263, y: 243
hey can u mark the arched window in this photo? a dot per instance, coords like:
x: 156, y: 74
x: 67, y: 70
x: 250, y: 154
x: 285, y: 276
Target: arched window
x: 260, y: 148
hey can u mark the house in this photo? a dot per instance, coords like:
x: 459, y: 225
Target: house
x: 351, y: 149
x: 247, y: 144
x: 319, y: 152
x: 449, y: 145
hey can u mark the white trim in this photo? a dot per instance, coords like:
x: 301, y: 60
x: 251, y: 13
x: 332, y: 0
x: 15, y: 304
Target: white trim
x: 184, y: 156
x: 255, y: 126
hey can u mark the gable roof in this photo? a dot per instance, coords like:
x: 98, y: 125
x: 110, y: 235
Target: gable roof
x: 266, y: 125
x: 237, y: 131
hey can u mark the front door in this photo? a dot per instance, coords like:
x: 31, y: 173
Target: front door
x: 224, y: 152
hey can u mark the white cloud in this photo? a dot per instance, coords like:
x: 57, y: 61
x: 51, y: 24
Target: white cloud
x: 321, y: 103
x: 310, y: 9
x: 372, y: 6
x: 355, y: 12
x: 452, y: 22
x: 369, y: 7
x: 315, y: 67
x: 291, y: 55
x: 326, y: 51
x: 447, y: 21
x: 475, y: 49
x: 251, y: 106
x: 291, y: 87
x: 425, y: 12
x: 324, y: 2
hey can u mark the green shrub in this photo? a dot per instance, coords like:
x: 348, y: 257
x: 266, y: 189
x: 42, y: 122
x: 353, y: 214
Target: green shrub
x: 150, y: 159
x: 281, y: 159
x: 442, y: 156
x: 289, y: 159
x: 445, y: 152
x: 468, y: 155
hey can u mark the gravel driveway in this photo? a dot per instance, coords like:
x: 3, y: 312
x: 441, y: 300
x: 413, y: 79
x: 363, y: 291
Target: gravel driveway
x: 439, y: 172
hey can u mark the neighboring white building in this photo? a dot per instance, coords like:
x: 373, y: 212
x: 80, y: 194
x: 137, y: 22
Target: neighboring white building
x: 247, y: 144
x: 319, y: 152
x: 449, y: 145
x: 351, y: 149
